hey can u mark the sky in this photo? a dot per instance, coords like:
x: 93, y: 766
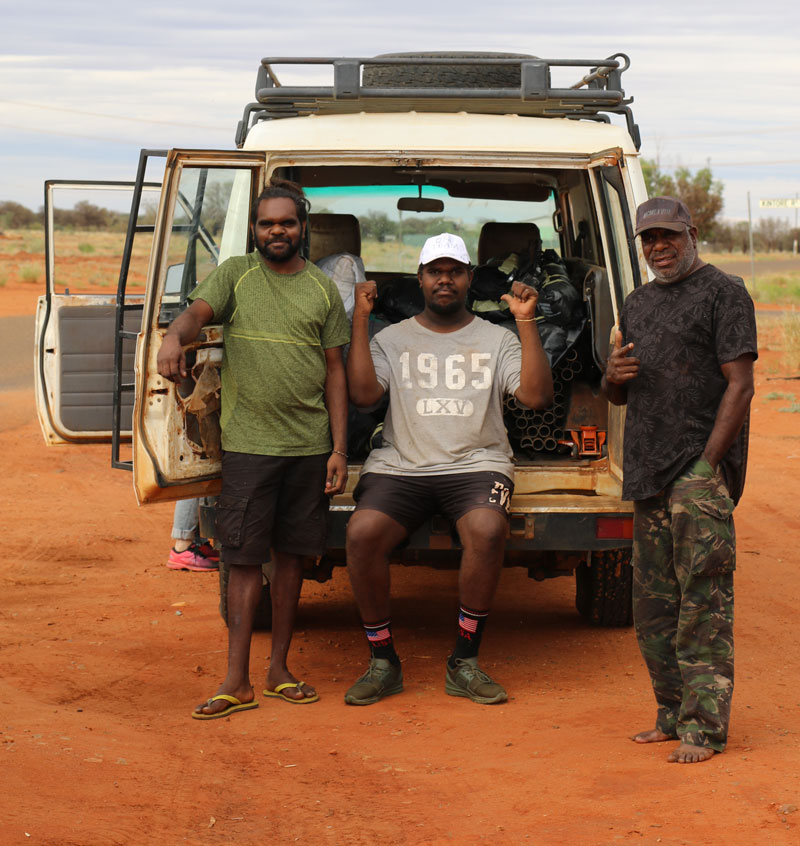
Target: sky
x: 85, y: 85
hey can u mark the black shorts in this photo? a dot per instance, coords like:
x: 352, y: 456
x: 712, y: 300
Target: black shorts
x: 411, y: 499
x: 271, y: 502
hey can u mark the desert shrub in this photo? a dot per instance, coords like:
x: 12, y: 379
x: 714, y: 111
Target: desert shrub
x: 16, y: 216
x: 31, y: 273
x: 790, y: 331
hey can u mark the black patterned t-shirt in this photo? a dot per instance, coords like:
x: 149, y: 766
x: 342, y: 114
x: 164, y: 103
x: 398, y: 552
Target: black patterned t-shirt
x: 682, y: 333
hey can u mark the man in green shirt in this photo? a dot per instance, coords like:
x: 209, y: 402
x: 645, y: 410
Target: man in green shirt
x: 283, y: 419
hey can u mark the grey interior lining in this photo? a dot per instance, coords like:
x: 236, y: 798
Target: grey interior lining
x: 86, y: 340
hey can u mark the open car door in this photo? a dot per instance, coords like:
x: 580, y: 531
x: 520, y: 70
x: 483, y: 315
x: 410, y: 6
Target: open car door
x: 616, y: 203
x: 75, y: 318
x: 203, y: 218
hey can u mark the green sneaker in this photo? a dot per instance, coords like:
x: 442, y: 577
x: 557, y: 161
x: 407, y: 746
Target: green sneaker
x: 381, y: 679
x: 468, y: 679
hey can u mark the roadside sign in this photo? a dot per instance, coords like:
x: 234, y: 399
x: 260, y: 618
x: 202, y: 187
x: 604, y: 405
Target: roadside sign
x: 780, y: 203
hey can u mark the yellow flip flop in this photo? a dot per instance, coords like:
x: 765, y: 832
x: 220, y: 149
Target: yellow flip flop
x: 306, y: 700
x: 235, y: 705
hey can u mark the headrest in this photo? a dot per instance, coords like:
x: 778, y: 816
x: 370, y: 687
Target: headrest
x: 500, y: 239
x: 333, y: 233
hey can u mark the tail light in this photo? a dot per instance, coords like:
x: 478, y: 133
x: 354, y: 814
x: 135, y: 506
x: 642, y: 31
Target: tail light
x: 614, y: 528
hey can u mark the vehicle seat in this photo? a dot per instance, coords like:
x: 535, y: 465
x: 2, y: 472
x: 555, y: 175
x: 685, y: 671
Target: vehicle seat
x: 500, y: 239
x: 333, y: 233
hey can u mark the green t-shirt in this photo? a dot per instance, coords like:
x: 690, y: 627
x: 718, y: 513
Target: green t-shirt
x: 276, y: 328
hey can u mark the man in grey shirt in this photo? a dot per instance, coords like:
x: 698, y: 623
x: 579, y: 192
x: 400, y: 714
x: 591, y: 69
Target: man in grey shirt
x: 444, y: 451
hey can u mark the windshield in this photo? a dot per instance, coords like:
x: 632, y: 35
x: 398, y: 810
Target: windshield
x: 391, y: 238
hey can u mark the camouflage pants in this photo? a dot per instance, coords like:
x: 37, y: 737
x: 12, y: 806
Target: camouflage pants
x: 684, y: 554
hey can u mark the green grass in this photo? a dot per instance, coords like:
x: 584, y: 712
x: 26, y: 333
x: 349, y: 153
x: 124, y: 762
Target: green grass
x: 389, y: 256
x: 31, y: 273
x: 776, y: 288
x: 86, y: 248
x: 3, y: 281
x: 794, y: 408
x: 22, y: 240
x: 777, y: 275
x: 779, y: 395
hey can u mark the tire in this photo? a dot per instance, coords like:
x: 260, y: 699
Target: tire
x: 604, y: 589
x: 263, y: 618
x: 444, y: 76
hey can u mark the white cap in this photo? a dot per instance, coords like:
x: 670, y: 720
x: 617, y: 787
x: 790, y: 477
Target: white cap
x: 444, y: 246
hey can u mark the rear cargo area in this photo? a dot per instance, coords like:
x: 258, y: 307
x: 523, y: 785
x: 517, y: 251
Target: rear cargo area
x: 519, y: 225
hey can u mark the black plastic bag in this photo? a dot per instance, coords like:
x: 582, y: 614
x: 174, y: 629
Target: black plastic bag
x: 399, y: 298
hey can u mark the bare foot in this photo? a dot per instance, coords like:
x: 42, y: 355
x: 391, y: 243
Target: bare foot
x: 244, y: 695
x: 652, y: 736
x: 688, y: 754
x: 305, y: 691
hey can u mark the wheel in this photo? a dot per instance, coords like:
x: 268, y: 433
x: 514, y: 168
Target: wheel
x: 444, y: 76
x: 263, y: 618
x: 604, y: 589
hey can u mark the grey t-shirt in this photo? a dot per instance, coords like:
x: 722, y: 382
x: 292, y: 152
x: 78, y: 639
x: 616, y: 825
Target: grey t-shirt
x: 446, y: 393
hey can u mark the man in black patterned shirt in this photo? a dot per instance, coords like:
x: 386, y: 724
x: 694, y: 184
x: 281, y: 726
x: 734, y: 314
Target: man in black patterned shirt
x: 682, y: 362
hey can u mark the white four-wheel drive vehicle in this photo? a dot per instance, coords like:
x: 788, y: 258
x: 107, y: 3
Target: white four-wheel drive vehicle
x: 538, y: 179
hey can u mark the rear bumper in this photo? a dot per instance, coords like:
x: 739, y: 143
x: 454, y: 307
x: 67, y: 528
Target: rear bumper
x: 558, y: 522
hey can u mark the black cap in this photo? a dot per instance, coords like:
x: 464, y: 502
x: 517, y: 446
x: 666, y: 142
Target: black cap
x: 663, y: 213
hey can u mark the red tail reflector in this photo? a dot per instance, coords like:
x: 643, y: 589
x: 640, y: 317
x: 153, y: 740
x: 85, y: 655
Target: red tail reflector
x: 614, y: 528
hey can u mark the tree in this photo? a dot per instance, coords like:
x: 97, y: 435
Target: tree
x: 772, y: 233
x: 701, y: 193
x: 148, y: 211
x: 376, y: 226
x: 731, y: 236
x: 417, y: 224
x: 16, y: 216
x: 215, y: 205
x: 654, y: 179
x: 86, y: 215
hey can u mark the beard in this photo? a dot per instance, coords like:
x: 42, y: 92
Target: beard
x: 445, y: 308
x: 683, y: 264
x: 265, y: 249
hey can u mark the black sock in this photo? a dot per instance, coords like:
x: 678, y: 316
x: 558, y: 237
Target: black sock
x: 470, y: 631
x: 381, y: 643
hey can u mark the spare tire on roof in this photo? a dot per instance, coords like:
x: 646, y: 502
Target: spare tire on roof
x: 444, y: 76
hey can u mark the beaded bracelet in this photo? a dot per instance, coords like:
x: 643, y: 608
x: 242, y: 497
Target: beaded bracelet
x: 339, y: 452
x: 525, y: 319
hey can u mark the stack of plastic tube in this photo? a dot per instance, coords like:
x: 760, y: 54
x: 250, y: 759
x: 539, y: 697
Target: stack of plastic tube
x: 540, y: 431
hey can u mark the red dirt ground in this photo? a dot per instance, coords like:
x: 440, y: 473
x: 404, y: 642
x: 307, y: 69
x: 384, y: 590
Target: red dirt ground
x: 104, y: 652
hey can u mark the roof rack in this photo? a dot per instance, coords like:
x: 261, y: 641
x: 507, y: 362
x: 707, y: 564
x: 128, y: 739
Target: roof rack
x: 596, y: 95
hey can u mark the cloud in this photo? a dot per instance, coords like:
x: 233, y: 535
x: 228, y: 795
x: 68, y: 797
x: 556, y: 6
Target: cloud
x: 84, y: 85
